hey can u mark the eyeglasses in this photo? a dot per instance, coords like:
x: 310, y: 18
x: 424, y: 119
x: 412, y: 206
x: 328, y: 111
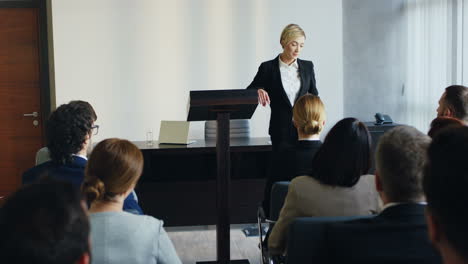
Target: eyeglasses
x: 95, y: 130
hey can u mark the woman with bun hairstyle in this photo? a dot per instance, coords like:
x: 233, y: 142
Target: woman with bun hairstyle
x: 335, y: 186
x: 113, y: 170
x: 309, y: 120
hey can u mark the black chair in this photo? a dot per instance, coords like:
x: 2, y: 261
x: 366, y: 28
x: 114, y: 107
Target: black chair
x: 279, y: 190
x: 305, y: 236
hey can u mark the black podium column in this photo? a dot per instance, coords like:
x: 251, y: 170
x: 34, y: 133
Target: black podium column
x: 223, y: 105
x: 223, y: 194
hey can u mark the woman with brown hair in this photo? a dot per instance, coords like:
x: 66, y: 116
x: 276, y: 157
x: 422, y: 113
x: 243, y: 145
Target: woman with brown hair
x: 113, y: 169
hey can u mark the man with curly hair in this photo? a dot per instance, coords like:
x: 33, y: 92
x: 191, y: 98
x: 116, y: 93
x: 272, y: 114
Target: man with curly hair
x: 69, y: 131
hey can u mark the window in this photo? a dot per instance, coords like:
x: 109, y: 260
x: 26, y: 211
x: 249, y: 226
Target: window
x: 433, y: 53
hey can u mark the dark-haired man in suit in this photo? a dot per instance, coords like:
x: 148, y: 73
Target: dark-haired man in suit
x: 445, y: 182
x: 399, y: 233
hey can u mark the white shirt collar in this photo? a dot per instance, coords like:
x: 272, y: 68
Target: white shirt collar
x: 309, y: 139
x: 81, y: 156
x: 294, y: 64
x: 395, y: 204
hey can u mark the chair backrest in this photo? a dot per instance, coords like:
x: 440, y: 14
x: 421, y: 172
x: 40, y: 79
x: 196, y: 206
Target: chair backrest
x: 305, y: 236
x: 279, y: 190
x: 42, y: 155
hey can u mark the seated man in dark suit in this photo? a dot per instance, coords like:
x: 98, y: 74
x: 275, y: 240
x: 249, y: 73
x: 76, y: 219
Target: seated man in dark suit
x: 445, y: 183
x: 399, y: 233
x: 69, y: 131
x: 45, y: 222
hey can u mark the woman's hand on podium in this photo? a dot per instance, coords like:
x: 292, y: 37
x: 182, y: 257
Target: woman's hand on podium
x: 263, y: 97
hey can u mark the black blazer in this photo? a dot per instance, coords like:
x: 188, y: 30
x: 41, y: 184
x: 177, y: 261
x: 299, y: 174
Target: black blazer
x: 289, y: 163
x: 397, y: 235
x: 269, y: 78
x: 303, y: 156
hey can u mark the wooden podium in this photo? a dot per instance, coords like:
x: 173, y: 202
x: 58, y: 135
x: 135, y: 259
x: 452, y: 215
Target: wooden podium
x: 222, y: 105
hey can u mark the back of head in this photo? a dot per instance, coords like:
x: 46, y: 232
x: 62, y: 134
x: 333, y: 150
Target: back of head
x: 445, y: 181
x: 291, y: 32
x: 114, y: 167
x: 67, y: 129
x: 44, y: 223
x: 309, y: 114
x: 442, y: 122
x: 456, y: 98
x: 344, y: 155
x: 400, y: 160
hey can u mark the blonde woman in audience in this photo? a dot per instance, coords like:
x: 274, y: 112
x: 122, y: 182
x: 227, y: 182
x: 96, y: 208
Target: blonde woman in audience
x: 113, y: 169
x: 335, y: 185
x: 309, y: 120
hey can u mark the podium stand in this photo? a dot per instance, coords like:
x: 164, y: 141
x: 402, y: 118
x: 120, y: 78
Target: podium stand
x: 222, y: 105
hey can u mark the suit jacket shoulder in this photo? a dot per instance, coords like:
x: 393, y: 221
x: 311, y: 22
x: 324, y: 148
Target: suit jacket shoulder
x: 397, y: 235
x: 72, y: 172
x: 309, y: 65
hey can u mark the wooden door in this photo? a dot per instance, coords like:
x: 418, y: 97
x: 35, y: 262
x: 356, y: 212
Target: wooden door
x: 20, y: 135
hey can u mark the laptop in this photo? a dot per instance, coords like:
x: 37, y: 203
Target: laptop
x: 174, y: 132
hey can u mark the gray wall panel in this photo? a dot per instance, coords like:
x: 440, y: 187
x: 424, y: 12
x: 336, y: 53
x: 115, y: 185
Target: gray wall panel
x: 374, y: 50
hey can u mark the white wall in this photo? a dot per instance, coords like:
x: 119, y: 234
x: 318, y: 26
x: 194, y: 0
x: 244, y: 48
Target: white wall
x: 136, y: 61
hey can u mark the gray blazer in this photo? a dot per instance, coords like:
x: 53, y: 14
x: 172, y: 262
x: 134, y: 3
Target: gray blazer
x: 308, y: 197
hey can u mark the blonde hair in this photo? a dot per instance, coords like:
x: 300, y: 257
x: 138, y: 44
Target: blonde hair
x: 114, y: 166
x: 291, y: 32
x: 309, y: 114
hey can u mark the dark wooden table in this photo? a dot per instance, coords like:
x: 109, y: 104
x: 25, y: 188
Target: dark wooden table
x: 178, y: 184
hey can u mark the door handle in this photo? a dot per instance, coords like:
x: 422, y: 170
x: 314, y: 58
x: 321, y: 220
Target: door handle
x: 33, y: 114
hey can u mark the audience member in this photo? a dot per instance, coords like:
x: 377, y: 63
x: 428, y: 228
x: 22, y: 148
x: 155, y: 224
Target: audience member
x: 309, y: 119
x: 399, y: 233
x: 114, y: 167
x: 445, y: 181
x: 454, y: 103
x: 335, y: 186
x: 69, y: 131
x: 45, y: 223
x: 442, y: 122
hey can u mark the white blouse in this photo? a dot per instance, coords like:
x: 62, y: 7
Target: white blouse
x: 290, y: 79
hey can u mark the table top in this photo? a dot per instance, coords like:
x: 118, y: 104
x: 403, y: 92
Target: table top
x: 236, y: 144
